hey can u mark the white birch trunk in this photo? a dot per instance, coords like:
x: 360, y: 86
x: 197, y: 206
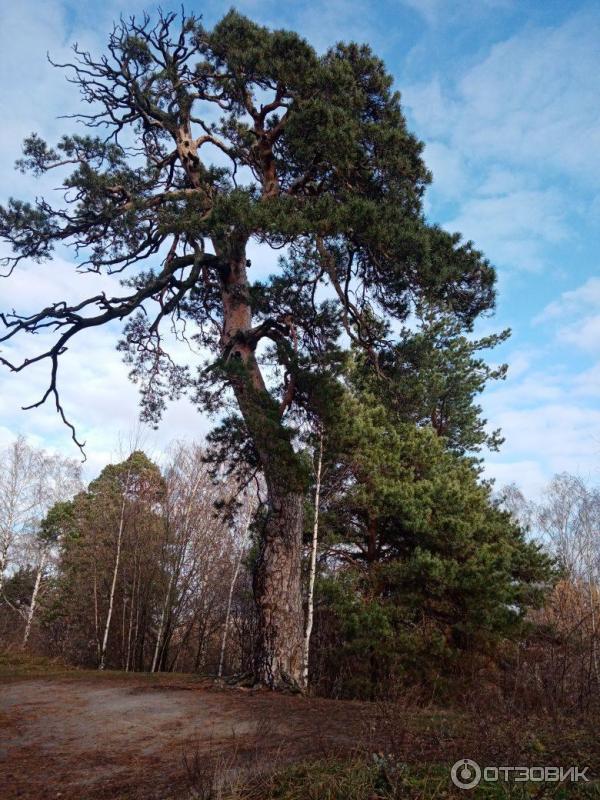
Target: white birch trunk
x: 228, y: 612
x: 313, y: 568
x: 182, y: 556
x: 161, y: 624
x: 234, y: 578
x: 114, y: 582
x: 34, y: 596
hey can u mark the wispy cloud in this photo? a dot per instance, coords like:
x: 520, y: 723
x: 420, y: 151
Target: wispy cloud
x: 513, y: 227
x: 577, y: 312
x: 434, y: 11
x: 577, y: 301
x: 551, y: 421
x: 530, y: 102
x: 509, y: 138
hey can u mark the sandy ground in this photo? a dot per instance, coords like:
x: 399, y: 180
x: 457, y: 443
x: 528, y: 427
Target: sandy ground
x: 85, y: 738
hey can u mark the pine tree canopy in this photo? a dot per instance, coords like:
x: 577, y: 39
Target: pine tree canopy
x: 202, y: 140
x: 419, y: 564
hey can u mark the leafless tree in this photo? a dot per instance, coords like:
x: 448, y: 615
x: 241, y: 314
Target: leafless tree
x: 244, y: 520
x: 31, y: 482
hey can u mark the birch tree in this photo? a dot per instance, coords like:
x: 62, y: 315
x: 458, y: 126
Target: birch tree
x: 194, y: 541
x: 313, y: 563
x: 20, y: 475
x: 32, y: 605
x: 569, y: 518
x: 31, y: 482
x: 114, y: 574
x: 246, y: 513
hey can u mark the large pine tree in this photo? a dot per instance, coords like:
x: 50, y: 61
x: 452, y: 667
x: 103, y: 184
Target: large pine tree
x: 209, y: 139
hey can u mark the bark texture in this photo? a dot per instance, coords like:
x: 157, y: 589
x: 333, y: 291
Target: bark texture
x: 277, y: 579
x: 277, y: 589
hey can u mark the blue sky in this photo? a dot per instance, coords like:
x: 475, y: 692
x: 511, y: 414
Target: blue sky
x: 505, y: 95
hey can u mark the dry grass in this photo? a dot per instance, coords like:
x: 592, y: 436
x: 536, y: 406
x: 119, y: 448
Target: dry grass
x: 270, y: 747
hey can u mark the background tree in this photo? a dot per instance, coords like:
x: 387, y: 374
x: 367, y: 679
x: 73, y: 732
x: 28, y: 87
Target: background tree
x: 197, y: 548
x: 20, y: 474
x: 31, y: 482
x: 115, y: 529
x: 558, y: 664
x: 422, y: 570
x: 211, y: 138
x: 154, y: 547
x: 51, y: 528
x: 434, y: 376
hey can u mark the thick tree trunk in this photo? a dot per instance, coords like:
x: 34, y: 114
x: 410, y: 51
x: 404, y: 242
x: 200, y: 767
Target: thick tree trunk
x: 277, y: 591
x: 277, y: 580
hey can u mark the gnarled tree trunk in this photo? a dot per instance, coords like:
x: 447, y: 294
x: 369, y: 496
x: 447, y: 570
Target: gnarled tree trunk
x: 277, y: 579
x: 277, y: 591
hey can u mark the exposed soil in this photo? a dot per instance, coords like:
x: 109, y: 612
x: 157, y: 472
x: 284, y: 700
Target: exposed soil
x: 97, y: 736
x: 87, y: 738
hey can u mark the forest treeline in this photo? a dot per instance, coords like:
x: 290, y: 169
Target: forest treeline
x: 423, y: 577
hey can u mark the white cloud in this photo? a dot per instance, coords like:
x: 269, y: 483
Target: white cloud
x: 577, y: 311
x: 527, y: 474
x: 566, y: 434
x: 511, y: 137
x: 531, y: 102
x: 433, y: 10
x: 98, y: 398
x: 94, y: 387
x: 583, y: 334
x: 587, y: 383
x: 514, y: 227
x: 574, y: 301
x: 550, y: 419
x: 521, y: 362
x: 450, y: 176
x: 563, y: 436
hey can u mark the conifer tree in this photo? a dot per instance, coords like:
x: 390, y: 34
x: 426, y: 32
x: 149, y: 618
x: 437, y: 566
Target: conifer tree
x: 201, y: 141
x: 428, y: 565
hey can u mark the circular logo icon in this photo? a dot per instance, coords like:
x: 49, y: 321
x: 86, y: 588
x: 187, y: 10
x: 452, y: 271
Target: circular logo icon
x: 466, y: 773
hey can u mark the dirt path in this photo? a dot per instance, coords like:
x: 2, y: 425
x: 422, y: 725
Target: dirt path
x: 88, y: 738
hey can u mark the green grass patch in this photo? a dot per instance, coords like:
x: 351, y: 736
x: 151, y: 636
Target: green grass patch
x: 16, y: 664
x: 19, y: 665
x: 368, y: 779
